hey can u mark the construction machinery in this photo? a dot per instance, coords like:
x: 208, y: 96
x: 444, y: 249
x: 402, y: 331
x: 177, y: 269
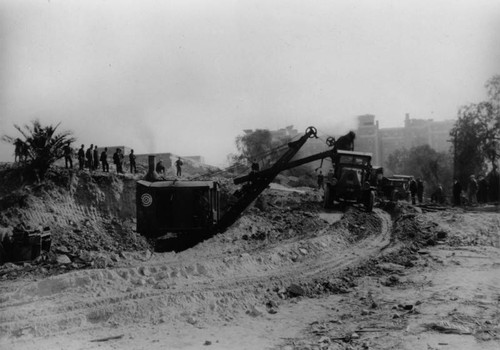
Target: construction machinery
x: 168, y: 206
x: 395, y: 187
x: 350, y: 180
x: 24, y: 243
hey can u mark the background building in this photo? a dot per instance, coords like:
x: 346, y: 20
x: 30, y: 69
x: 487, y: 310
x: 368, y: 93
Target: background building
x: 415, y: 132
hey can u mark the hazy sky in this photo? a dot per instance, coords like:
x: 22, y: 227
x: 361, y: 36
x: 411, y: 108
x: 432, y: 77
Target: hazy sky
x: 187, y: 76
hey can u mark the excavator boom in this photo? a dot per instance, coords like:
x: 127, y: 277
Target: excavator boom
x: 259, y: 181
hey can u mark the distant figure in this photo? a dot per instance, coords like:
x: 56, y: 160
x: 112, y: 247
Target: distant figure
x: 118, y: 160
x: 330, y: 176
x: 95, y: 158
x: 413, y: 190
x: 160, y: 168
x: 472, y: 190
x: 131, y: 158
x: 329, y: 194
x: 420, y: 191
x: 178, y: 165
x: 18, y: 150
x: 68, y: 156
x: 255, y: 166
x: 494, y: 185
x: 346, y: 142
x: 88, y: 156
x: 482, y: 192
x: 81, y: 157
x: 321, y: 179
x: 104, y: 160
x: 457, y: 192
x: 438, y: 195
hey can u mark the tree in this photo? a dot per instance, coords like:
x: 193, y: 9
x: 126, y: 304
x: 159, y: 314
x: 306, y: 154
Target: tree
x: 254, y: 144
x: 42, y: 146
x: 434, y: 167
x: 260, y: 145
x: 396, y: 161
x: 476, y: 134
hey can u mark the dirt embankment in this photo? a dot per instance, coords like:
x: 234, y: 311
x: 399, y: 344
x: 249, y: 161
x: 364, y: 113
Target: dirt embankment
x: 89, y: 216
x: 285, y: 276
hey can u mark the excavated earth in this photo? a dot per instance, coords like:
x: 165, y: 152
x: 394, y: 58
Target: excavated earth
x: 286, y: 275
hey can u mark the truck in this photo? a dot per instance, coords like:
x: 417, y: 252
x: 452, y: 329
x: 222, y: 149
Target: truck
x: 395, y: 187
x: 350, y: 180
x: 173, y: 207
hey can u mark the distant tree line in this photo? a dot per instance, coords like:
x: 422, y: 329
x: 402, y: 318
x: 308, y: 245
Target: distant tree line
x: 474, y: 150
x: 476, y: 135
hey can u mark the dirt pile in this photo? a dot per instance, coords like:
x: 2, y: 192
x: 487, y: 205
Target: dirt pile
x: 91, y: 217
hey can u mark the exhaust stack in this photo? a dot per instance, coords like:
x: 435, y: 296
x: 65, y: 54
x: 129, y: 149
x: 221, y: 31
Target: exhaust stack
x: 152, y: 175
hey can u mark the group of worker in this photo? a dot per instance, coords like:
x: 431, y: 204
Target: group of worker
x: 160, y: 168
x: 478, y: 190
x: 90, y: 159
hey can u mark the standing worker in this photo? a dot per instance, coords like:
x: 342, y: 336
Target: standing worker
x: 104, y: 160
x: 321, y: 178
x: 96, y: 158
x: 482, y: 192
x: 19, y: 151
x: 88, y: 155
x: 131, y: 158
x: 178, y: 165
x: 81, y: 157
x: 413, y: 190
x: 68, y: 156
x: 118, y: 160
x: 457, y: 192
x: 346, y: 142
x: 472, y: 189
x: 121, y: 156
x: 160, y: 168
x: 420, y: 191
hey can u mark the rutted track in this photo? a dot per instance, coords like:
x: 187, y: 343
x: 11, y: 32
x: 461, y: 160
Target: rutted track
x: 213, y: 287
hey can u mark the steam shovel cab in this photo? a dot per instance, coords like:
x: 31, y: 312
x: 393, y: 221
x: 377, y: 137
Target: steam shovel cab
x: 171, y: 206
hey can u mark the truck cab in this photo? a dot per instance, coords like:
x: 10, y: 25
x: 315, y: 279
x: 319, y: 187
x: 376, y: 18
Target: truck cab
x: 350, y: 180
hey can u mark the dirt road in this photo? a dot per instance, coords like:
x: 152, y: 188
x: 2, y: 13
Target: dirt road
x: 447, y: 298
x: 205, y: 285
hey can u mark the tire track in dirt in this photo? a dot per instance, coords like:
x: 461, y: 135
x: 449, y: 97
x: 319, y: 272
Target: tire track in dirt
x: 215, y: 289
